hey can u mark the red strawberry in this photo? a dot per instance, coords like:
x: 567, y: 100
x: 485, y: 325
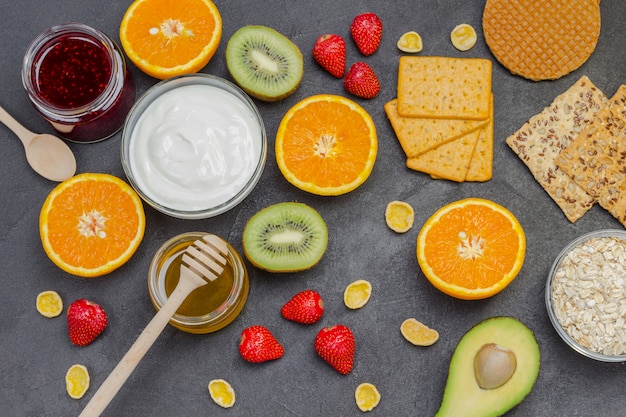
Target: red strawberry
x: 335, y: 344
x: 361, y: 80
x: 306, y: 307
x: 258, y: 344
x: 85, y: 321
x: 330, y: 52
x: 367, y: 31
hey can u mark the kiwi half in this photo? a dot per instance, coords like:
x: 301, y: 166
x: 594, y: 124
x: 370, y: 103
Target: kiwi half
x: 285, y: 237
x: 264, y: 63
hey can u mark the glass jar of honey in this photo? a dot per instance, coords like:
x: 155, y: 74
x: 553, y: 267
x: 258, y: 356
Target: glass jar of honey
x: 77, y: 79
x: 208, y: 308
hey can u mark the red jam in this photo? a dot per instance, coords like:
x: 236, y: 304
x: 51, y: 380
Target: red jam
x: 73, y: 72
x: 77, y: 79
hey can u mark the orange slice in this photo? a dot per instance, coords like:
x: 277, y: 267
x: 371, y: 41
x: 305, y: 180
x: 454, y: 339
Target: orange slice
x: 326, y: 145
x: 49, y: 304
x: 367, y: 396
x: 222, y: 393
x: 91, y: 224
x: 471, y: 249
x: 418, y: 333
x: 166, y: 38
x: 357, y: 294
x: 77, y: 381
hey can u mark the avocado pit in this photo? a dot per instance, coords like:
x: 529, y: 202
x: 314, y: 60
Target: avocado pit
x: 494, y: 365
x: 483, y: 379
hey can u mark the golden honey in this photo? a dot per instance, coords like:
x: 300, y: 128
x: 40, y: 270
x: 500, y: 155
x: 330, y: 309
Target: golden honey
x: 208, y: 308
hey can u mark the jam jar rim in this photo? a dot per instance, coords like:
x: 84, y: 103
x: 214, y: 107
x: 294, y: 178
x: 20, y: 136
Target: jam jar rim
x: 183, y: 322
x: 107, y: 96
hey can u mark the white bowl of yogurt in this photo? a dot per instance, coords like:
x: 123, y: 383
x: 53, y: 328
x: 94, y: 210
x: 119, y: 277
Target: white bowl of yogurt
x: 194, y: 146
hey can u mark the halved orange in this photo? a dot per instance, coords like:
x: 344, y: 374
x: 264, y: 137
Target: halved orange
x: 165, y: 38
x: 471, y: 249
x: 326, y: 145
x: 91, y: 224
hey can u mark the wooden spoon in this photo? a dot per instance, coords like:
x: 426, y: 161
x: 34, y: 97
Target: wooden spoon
x: 47, y: 154
x: 203, y: 261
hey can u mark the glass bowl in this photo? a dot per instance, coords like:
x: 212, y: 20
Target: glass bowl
x: 208, y: 308
x: 194, y: 146
x: 586, y: 295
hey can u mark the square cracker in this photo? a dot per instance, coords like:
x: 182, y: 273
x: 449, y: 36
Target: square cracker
x: 418, y: 135
x: 540, y: 140
x: 443, y: 87
x: 481, y: 165
x: 448, y: 161
x: 596, y: 159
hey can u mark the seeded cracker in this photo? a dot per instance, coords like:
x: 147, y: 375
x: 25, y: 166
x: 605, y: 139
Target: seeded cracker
x: 540, y: 140
x: 418, y: 135
x: 596, y: 160
x: 442, y: 87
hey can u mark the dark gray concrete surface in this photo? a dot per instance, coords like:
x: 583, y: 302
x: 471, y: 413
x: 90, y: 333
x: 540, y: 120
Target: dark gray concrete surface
x: 172, y: 379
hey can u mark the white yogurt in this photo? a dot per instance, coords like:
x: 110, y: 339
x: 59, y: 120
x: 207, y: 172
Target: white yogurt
x: 195, y: 147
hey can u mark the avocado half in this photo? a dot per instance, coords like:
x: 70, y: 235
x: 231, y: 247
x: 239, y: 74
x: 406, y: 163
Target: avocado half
x: 463, y: 397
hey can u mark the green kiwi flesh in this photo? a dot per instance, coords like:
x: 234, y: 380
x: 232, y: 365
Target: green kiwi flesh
x: 285, y: 237
x: 264, y: 63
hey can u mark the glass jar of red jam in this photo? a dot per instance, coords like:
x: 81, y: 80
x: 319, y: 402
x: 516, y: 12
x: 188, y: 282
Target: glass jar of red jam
x: 77, y: 79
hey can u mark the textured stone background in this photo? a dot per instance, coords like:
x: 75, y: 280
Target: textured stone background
x: 172, y: 378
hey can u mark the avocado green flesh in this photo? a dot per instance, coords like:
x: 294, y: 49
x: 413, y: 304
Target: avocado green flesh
x: 463, y: 397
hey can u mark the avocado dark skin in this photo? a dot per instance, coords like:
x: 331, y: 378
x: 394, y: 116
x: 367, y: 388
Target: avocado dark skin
x: 463, y: 396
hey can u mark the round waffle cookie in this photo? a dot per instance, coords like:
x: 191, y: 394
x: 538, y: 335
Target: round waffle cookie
x: 541, y: 40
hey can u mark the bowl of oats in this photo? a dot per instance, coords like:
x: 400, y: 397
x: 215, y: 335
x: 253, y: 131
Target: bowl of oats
x: 586, y: 295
